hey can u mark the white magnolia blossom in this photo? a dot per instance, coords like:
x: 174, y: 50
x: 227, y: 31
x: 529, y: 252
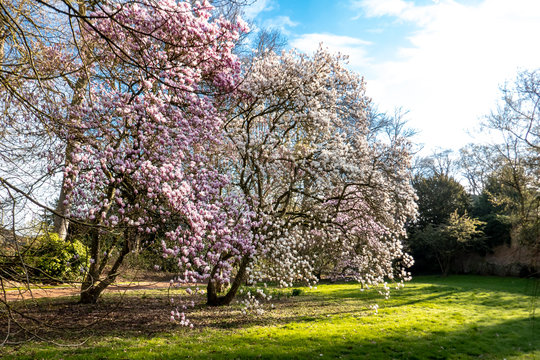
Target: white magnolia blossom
x: 299, y: 149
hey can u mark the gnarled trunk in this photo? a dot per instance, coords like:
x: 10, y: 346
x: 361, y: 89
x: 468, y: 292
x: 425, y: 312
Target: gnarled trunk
x: 92, y: 287
x: 212, y: 297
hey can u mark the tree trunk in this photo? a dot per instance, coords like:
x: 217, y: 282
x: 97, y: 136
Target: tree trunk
x: 3, y: 36
x: 446, y: 270
x: 91, y: 287
x: 90, y: 296
x: 212, y: 297
x: 61, y: 222
x: 445, y: 263
x: 318, y: 274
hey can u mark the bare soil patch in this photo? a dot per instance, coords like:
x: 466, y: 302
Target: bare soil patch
x: 25, y: 293
x: 121, y: 313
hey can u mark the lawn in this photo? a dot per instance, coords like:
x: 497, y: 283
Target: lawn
x: 459, y: 317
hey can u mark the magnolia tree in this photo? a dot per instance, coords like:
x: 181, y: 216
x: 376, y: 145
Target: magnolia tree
x: 132, y: 116
x: 139, y: 159
x: 316, y: 182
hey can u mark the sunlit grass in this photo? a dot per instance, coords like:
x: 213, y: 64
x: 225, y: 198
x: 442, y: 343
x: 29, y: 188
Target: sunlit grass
x: 459, y: 317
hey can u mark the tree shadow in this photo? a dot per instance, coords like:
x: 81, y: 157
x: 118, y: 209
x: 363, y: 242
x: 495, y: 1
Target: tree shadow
x: 504, y: 339
x: 513, y: 285
x: 440, y: 345
x: 140, y: 316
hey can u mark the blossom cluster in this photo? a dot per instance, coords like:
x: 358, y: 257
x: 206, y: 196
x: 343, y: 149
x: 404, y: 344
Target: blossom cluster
x: 137, y: 164
x: 325, y: 190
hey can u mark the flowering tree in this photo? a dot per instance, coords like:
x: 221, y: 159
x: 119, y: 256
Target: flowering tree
x: 132, y: 134
x: 315, y: 173
x: 137, y: 165
x: 318, y: 183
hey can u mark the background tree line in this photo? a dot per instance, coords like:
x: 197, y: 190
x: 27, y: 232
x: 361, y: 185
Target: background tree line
x: 487, y: 195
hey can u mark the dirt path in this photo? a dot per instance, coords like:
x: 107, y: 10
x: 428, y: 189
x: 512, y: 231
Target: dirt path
x: 36, y: 293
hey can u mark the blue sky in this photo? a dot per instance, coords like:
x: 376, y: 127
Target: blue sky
x: 442, y: 60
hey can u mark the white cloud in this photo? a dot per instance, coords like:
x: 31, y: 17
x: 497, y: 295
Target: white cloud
x: 258, y: 6
x: 459, y: 57
x: 281, y: 23
x: 353, y: 47
x: 374, y: 8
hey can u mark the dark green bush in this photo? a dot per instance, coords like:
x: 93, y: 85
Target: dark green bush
x: 53, y: 260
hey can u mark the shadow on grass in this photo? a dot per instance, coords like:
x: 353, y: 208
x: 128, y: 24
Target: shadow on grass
x: 136, y: 315
x: 521, y: 286
x: 141, y: 319
x: 469, y: 342
x: 485, y: 291
x: 502, y: 340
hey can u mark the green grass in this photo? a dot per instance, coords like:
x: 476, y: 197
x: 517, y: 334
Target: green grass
x: 459, y: 317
